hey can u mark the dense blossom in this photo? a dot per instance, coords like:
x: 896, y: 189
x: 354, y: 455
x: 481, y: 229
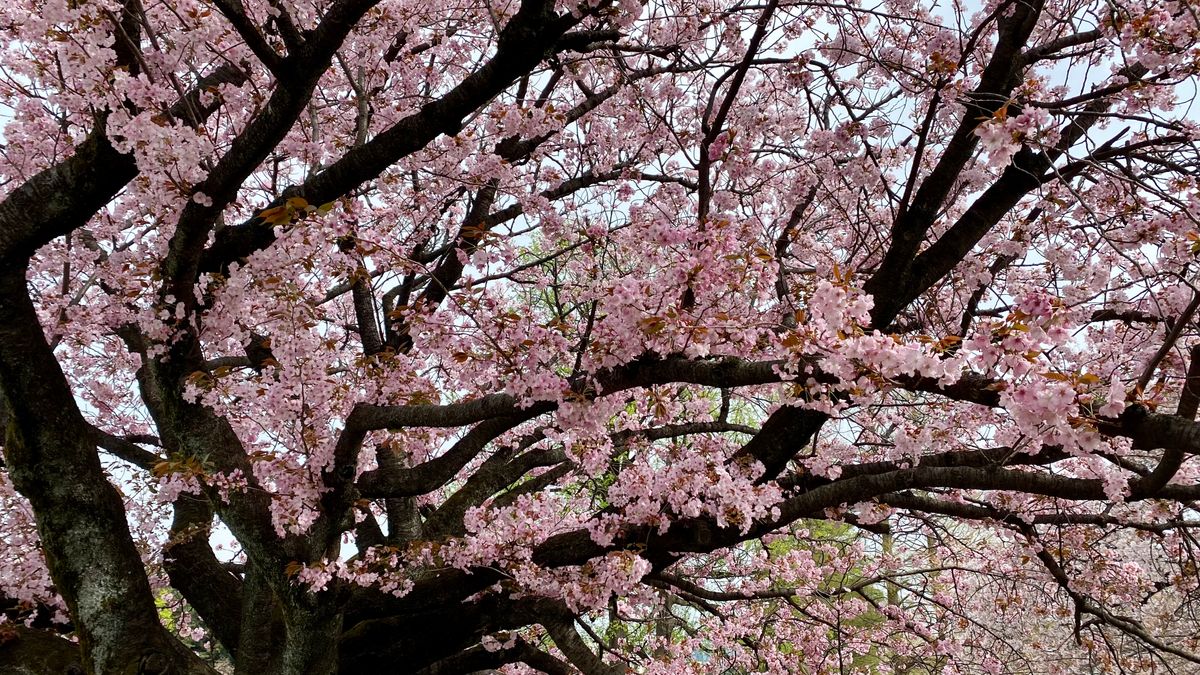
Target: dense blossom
x: 660, y: 336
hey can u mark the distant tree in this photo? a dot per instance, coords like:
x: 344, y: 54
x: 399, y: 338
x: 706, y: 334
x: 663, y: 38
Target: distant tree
x: 658, y: 337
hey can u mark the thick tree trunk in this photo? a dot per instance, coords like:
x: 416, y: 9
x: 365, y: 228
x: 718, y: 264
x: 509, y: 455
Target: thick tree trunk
x: 80, y: 517
x: 312, y: 641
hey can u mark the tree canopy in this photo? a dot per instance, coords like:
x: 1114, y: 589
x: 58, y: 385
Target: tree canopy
x: 659, y: 336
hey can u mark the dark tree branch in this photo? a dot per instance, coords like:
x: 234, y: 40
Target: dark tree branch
x: 890, y: 285
x: 235, y: 13
x: 63, y: 197
x: 523, y: 42
x: 193, y: 570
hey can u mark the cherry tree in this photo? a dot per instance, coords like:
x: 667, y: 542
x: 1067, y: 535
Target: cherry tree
x: 662, y: 337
